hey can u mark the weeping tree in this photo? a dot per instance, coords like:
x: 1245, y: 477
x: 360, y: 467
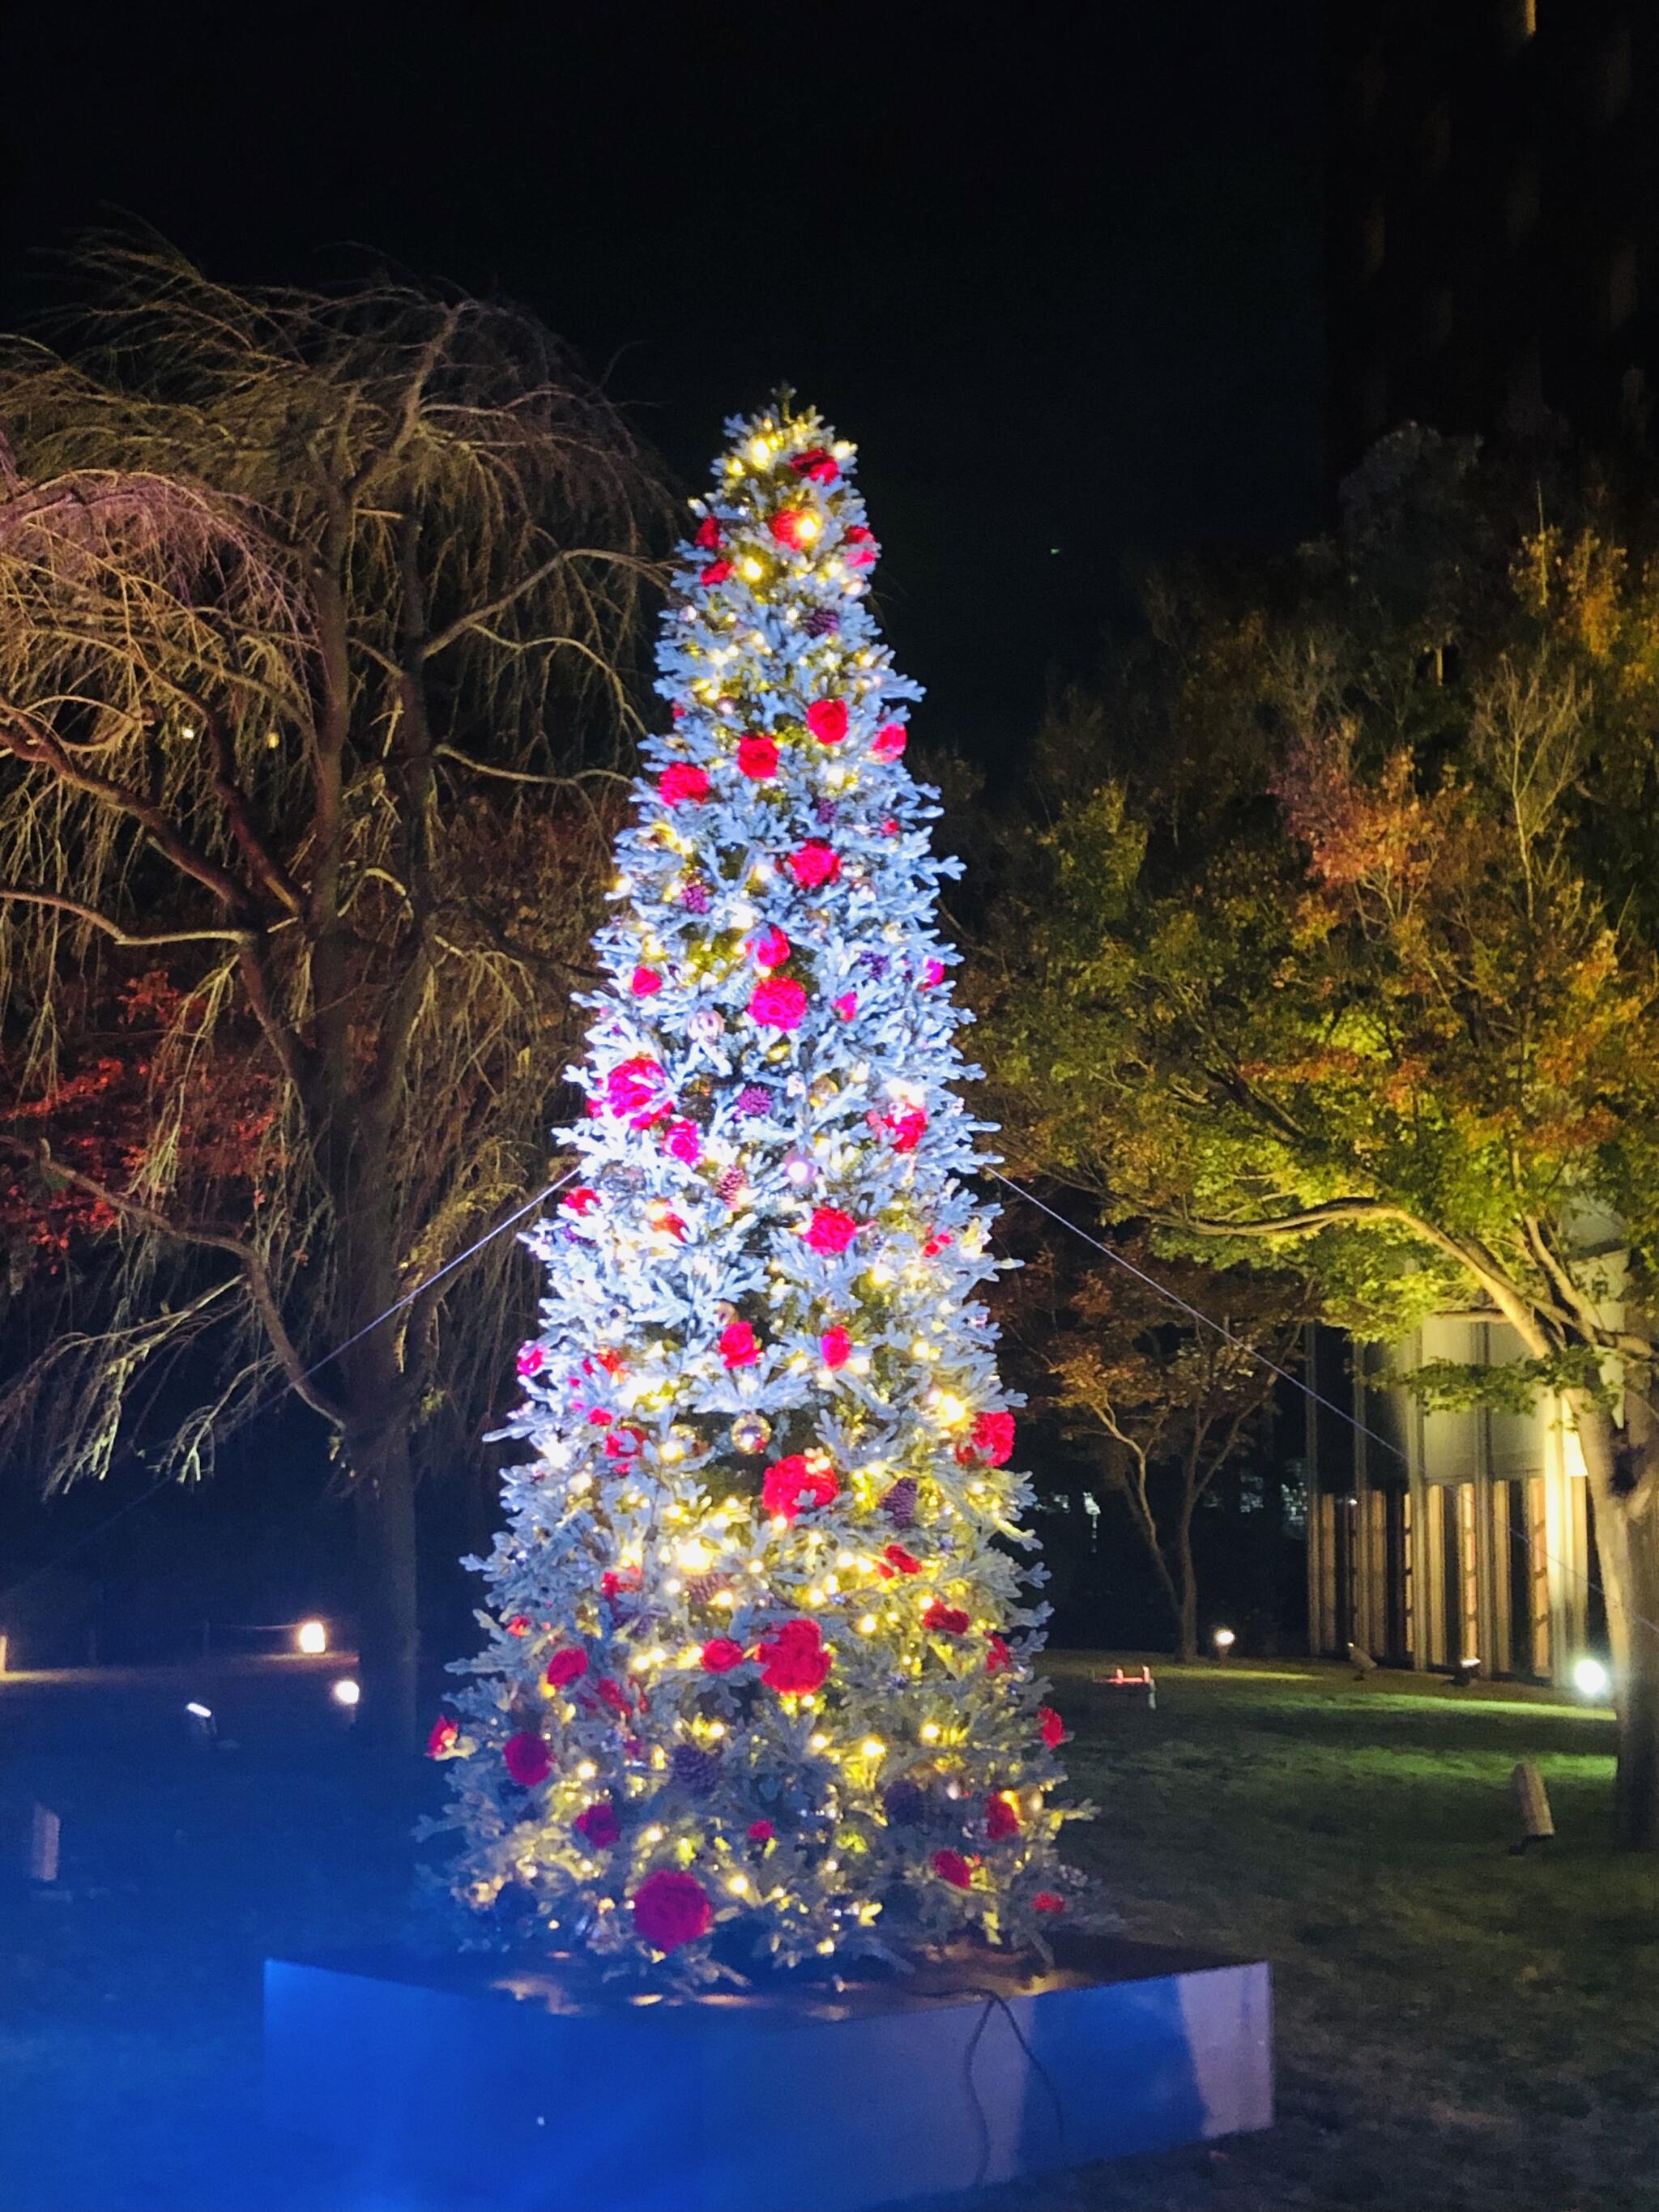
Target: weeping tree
x: 318, y: 619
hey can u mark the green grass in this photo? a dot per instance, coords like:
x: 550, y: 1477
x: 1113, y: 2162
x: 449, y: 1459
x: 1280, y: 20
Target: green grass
x: 1457, y: 2028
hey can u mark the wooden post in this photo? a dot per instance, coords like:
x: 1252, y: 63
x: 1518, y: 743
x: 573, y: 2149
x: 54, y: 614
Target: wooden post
x: 1532, y: 1802
x: 5, y: 1642
x: 44, y: 1831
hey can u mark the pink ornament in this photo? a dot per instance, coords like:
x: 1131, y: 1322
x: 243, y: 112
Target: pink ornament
x: 716, y: 572
x: 831, y: 1231
x: 445, y: 1734
x: 859, y: 546
x: 933, y: 972
x: 528, y: 1759
x: 645, y: 983
x: 908, y: 1128
x: 761, y: 1831
x: 708, y: 535
x: 683, y: 1141
x: 835, y: 1348
x: 769, y: 948
x: 529, y: 1360
x: 826, y: 718
x: 737, y: 1347
x: 847, y: 1006
x: 993, y: 1438
x: 566, y: 1666
x: 888, y: 741
x: 582, y: 1199
x: 778, y: 1003
x: 682, y: 783
x: 814, y: 864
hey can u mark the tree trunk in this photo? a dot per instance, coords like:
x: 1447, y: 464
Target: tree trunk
x: 1186, y: 1579
x: 388, y: 1628
x: 1627, y: 1554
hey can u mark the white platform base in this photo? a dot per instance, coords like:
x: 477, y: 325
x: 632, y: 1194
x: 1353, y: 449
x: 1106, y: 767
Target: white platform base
x: 499, y: 2078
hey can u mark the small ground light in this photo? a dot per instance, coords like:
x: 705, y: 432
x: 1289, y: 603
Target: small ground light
x: 1224, y: 1640
x: 199, y: 1713
x: 346, y: 1691
x: 310, y: 1636
x: 1590, y: 1678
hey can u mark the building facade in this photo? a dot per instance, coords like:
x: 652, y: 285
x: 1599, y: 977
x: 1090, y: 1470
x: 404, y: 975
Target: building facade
x: 1440, y: 1538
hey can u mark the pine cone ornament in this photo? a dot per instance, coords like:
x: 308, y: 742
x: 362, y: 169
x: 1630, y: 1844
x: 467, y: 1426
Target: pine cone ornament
x: 900, y: 1502
x: 824, y: 809
x: 696, y: 1770
x: 754, y: 1098
x: 695, y: 897
x: 875, y: 963
x: 823, y: 621
x: 732, y: 1185
x: 703, y: 1589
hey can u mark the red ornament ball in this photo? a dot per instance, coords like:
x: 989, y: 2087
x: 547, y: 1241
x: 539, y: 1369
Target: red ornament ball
x: 946, y: 1620
x: 761, y: 1831
x: 598, y: 1824
x: 1001, y: 1818
x: 645, y: 983
x: 1050, y: 1727
x: 815, y: 463
x: 720, y: 1654
x: 951, y: 1867
x: 708, y: 535
x: 757, y: 756
x: 794, y: 1484
x: 787, y: 528
x: 835, y: 1348
x: 670, y: 1910
x: 888, y: 741
x: 814, y: 864
x: 445, y: 1734
x: 566, y: 1667
x: 716, y: 572
x: 993, y: 1438
x: 793, y: 1661
x: 826, y: 718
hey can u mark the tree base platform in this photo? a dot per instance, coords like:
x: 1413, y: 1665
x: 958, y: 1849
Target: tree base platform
x: 541, y: 2091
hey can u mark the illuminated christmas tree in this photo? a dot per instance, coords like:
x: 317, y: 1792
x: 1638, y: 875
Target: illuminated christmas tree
x: 759, y: 1677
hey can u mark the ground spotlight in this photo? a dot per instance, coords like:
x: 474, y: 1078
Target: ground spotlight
x: 1590, y: 1678
x: 1224, y: 1639
x: 310, y: 1636
x: 346, y: 1693
x: 200, y: 1725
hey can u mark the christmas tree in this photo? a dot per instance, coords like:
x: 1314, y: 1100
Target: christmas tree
x: 759, y: 1679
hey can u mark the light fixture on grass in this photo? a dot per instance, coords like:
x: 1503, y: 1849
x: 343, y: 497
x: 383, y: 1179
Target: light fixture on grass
x: 1591, y: 1680
x: 346, y: 1693
x: 310, y: 1636
x: 1224, y: 1639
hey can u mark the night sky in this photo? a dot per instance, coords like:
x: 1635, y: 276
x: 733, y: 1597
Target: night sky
x: 1057, y: 276
x: 1059, y: 279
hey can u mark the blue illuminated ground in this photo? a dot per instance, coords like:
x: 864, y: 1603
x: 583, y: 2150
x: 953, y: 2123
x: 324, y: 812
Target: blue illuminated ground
x: 1460, y: 2030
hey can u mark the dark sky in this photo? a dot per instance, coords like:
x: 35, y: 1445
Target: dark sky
x: 1057, y: 275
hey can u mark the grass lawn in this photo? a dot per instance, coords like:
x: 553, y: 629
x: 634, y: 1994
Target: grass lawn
x: 1457, y: 2029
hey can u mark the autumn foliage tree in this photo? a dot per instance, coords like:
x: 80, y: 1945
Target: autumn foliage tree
x: 1347, y: 960
x: 317, y: 632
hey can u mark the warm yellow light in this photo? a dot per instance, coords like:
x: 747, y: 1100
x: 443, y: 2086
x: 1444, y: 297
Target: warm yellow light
x: 867, y: 1625
x: 310, y: 1636
x: 694, y: 1555
x: 948, y: 1409
x: 808, y: 527
x: 930, y: 1732
x: 749, y: 569
x: 738, y: 1885
x: 653, y: 1834
x: 873, y: 1747
x: 586, y: 1770
x: 817, y: 1741
x: 759, y: 452
x: 826, y: 1949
